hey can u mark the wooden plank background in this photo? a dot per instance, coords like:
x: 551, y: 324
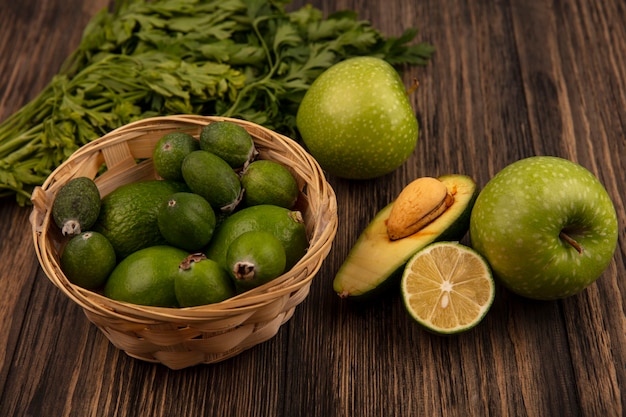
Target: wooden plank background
x: 510, y: 79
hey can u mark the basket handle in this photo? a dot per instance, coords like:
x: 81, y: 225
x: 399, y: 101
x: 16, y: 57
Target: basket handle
x: 40, y: 199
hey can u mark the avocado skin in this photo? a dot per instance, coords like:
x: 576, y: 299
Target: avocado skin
x: 128, y: 215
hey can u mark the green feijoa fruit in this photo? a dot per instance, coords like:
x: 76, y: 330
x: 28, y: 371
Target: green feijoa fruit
x: 268, y: 182
x: 211, y: 177
x: 229, y: 141
x: 186, y: 220
x: 76, y: 206
x: 286, y: 225
x: 128, y: 216
x: 169, y: 153
x: 255, y: 258
x: 88, y: 259
x: 146, y: 277
x: 201, y: 281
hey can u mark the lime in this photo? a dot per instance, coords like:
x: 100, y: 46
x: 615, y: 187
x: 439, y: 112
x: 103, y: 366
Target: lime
x: 186, y: 220
x: 229, y: 141
x: 146, y: 277
x: 201, y: 281
x: 210, y: 176
x: 76, y: 206
x: 447, y: 287
x: 268, y: 182
x: 169, y: 153
x: 286, y: 225
x: 88, y: 259
x: 255, y: 258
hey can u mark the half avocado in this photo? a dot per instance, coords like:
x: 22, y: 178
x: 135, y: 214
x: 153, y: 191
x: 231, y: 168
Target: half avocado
x: 375, y: 259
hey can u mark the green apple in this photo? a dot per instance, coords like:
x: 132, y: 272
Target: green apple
x: 547, y: 227
x: 356, y: 119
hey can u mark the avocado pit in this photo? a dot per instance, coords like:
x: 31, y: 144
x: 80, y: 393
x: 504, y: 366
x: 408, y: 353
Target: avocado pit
x: 417, y: 205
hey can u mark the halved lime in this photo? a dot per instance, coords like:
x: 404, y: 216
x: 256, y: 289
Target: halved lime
x: 447, y: 287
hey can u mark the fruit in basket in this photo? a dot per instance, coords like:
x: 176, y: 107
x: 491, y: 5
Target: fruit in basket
x: 76, y: 206
x: 146, y: 277
x: 268, y: 182
x: 447, y: 287
x: 356, y: 119
x: 286, y: 225
x: 376, y: 260
x: 88, y: 259
x: 546, y: 225
x: 169, y: 153
x: 229, y: 141
x: 186, y: 220
x: 211, y: 177
x: 128, y: 215
x: 255, y: 258
x: 201, y: 281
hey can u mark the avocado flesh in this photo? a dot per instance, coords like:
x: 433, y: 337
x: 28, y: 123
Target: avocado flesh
x: 374, y: 258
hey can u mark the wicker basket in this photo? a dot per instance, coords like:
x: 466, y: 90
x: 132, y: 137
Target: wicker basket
x: 184, y: 337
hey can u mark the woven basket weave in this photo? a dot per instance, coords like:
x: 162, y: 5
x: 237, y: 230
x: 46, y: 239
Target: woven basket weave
x: 184, y: 337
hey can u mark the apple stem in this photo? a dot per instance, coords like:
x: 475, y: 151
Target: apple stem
x: 413, y: 87
x: 571, y: 241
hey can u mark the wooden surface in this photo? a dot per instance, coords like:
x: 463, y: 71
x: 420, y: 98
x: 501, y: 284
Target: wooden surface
x: 510, y: 79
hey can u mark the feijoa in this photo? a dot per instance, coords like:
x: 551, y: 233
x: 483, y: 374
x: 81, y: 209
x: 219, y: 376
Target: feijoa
x: 211, y: 177
x: 186, y: 220
x: 254, y: 258
x: 169, y: 153
x: 76, y: 206
x: 268, y: 182
x: 201, y: 281
x: 88, y: 259
x: 286, y: 225
x: 229, y: 141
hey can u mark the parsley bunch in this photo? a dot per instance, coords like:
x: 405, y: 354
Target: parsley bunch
x: 249, y: 59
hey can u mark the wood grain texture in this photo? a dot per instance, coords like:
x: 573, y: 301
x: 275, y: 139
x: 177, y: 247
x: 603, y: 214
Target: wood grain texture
x: 510, y: 79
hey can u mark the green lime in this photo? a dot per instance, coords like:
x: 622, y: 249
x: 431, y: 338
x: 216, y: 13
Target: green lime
x: 229, y: 141
x: 146, y: 277
x: 128, y: 216
x: 186, y: 220
x: 88, y: 259
x: 268, y: 182
x: 169, y: 153
x: 76, y: 206
x: 255, y: 258
x: 210, y: 176
x: 447, y: 287
x: 286, y: 225
x: 201, y: 281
